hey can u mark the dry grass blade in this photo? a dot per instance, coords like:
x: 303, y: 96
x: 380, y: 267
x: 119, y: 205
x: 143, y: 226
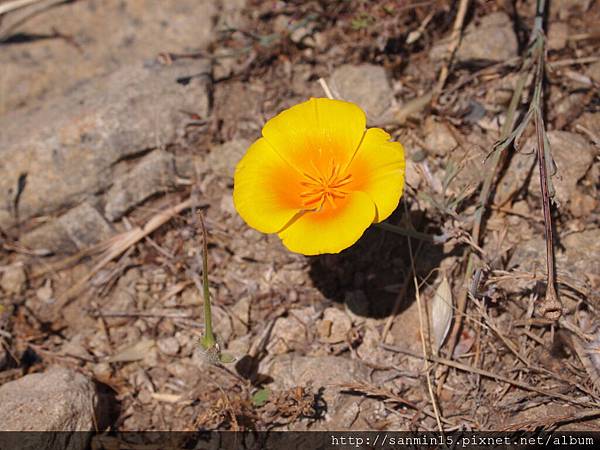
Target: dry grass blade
x: 16, y: 4
x: 453, y: 44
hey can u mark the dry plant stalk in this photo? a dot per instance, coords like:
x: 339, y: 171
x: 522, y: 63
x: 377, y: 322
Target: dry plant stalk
x: 551, y: 307
x: 535, y: 59
x: 453, y: 45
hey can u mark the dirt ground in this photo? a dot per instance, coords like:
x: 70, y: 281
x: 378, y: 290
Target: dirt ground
x: 452, y: 331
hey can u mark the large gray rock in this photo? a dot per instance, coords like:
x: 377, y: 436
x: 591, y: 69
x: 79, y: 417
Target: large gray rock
x: 155, y: 173
x: 223, y: 158
x: 492, y: 39
x: 366, y: 85
x: 57, y: 400
x: 69, y: 146
x: 105, y: 35
x: 79, y: 228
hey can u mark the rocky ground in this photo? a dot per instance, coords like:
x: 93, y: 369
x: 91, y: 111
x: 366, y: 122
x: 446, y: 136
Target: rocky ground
x: 121, y: 121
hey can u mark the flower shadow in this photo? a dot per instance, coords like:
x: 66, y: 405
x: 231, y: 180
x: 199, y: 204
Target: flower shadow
x: 369, y: 276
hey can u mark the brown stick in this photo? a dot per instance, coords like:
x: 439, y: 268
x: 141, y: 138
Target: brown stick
x: 551, y: 307
x: 454, y: 41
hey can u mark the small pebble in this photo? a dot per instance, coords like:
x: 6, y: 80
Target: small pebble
x: 169, y: 346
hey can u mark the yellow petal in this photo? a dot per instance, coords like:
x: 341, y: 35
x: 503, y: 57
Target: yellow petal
x: 330, y: 230
x: 312, y: 134
x: 378, y: 170
x: 266, y: 190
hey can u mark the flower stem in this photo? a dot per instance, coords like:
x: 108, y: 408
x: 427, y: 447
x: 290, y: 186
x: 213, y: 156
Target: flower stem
x: 208, y: 340
x: 436, y: 239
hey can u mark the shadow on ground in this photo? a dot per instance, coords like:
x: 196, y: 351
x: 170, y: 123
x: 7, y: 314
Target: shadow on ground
x: 368, y: 276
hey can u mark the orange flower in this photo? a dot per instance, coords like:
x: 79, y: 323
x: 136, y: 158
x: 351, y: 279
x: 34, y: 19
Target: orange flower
x: 318, y: 178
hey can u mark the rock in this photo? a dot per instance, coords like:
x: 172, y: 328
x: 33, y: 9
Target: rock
x: 168, y: 346
x: 492, y: 40
x: 406, y: 330
x: 325, y: 373
x: 290, y: 332
x: 558, y: 34
x: 240, y: 316
x: 71, y: 145
x: 153, y: 174
x: 76, y: 346
x: 566, y: 108
x: 106, y: 35
x: 573, y: 155
x: 366, y: 85
x: 590, y: 122
x: 48, y: 238
x: 79, y: 228
x: 438, y: 137
x: 583, y: 255
x: 593, y: 71
x: 14, y: 280
x: 239, y: 105
x: 223, y: 158
x: 85, y: 226
x: 303, y: 35
x: 56, y: 400
x: 231, y: 15
x: 580, y: 259
x: 334, y: 327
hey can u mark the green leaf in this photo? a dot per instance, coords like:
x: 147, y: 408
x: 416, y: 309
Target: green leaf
x: 261, y: 397
x: 227, y: 358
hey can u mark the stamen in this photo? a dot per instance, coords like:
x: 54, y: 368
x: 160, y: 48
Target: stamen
x: 322, y: 189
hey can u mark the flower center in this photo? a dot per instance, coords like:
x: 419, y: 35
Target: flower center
x: 324, y: 187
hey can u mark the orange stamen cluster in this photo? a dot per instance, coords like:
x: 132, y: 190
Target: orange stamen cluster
x: 321, y: 188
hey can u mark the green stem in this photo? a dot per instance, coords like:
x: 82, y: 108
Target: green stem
x: 208, y: 341
x: 437, y: 239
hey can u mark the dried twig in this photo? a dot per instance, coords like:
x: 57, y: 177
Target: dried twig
x: 453, y: 44
x: 15, y: 4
